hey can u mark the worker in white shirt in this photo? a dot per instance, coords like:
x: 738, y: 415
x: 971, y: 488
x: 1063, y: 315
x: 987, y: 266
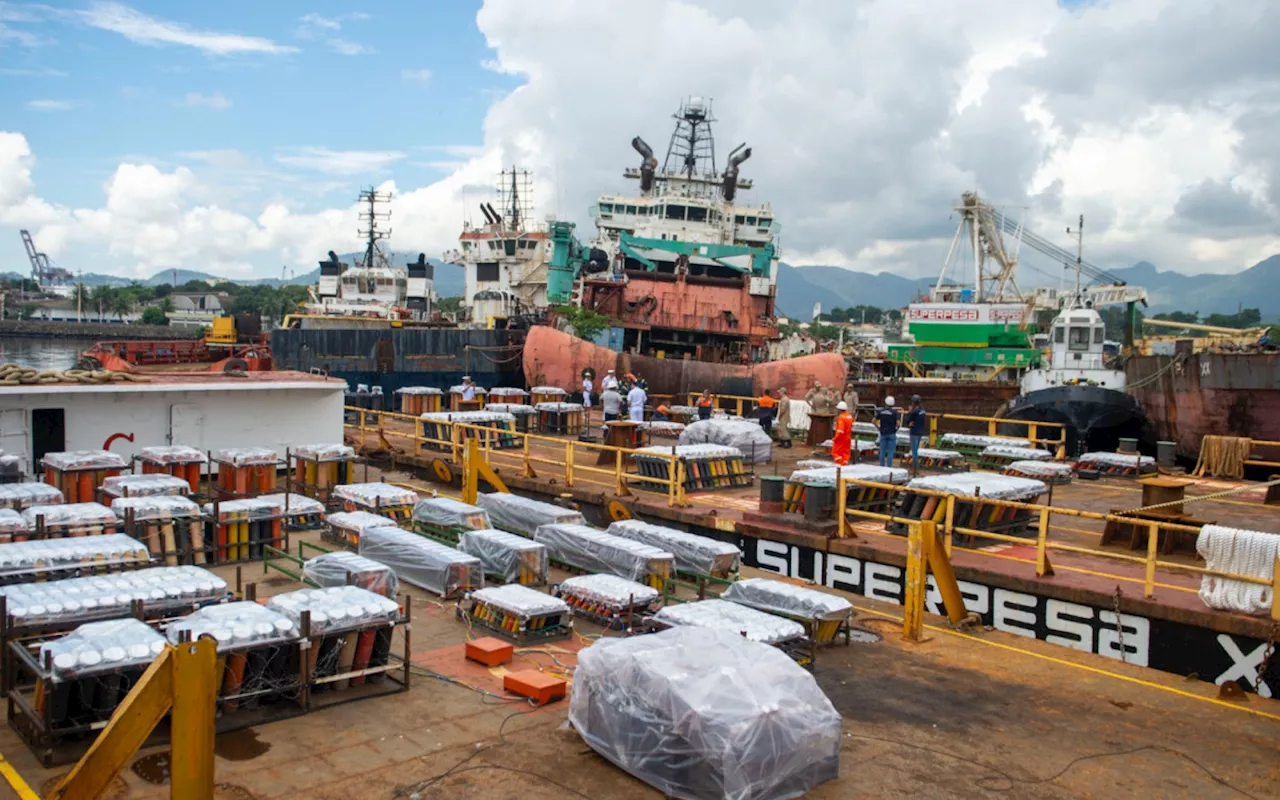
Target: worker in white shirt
x: 468, y: 388
x: 586, y: 392
x: 610, y: 380
x: 635, y: 402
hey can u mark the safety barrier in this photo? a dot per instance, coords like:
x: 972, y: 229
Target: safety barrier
x: 530, y: 453
x: 1256, y: 459
x: 1152, y: 564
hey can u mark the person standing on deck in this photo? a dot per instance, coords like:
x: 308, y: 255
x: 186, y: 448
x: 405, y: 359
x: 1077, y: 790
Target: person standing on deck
x: 887, y: 418
x: 851, y: 399
x: 586, y: 392
x: 842, y: 441
x: 611, y: 403
x: 635, y: 402
x: 468, y: 388
x: 610, y: 381
x: 783, y: 422
x: 765, y: 407
x: 917, y: 422
x: 705, y: 404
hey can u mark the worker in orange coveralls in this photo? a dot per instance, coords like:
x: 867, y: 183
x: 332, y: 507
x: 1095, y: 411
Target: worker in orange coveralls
x: 842, y: 442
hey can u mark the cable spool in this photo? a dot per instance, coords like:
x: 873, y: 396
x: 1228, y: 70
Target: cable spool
x: 235, y: 365
x: 441, y: 470
x: 619, y: 511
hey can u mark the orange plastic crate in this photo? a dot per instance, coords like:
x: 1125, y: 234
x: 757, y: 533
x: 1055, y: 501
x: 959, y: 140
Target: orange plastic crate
x: 537, y: 686
x: 490, y: 651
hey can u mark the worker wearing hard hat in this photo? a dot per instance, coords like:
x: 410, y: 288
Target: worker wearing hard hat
x: 842, y: 441
x: 887, y: 419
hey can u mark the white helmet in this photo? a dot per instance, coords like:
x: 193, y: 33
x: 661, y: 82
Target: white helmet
x: 888, y: 401
x: 842, y: 406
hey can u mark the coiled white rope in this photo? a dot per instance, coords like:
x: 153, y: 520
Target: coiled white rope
x: 1242, y: 552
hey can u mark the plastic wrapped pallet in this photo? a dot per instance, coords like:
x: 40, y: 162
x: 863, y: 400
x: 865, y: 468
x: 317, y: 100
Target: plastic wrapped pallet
x: 692, y: 553
x: 336, y: 608
x: 508, y: 391
x: 21, y: 496
x: 12, y: 468
x: 145, y: 485
x: 517, y: 514
x: 971, y: 440
x: 616, y: 594
x: 422, y: 562
x: 374, y: 496
x: 12, y: 526
x: 510, y: 408
x: 748, y: 437
x: 419, y: 390
x: 1040, y: 470
x: 324, y: 452
x: 172, y: 454
x: 989, y: 486
x: 469, y: 417
x: 346, y: 527
x: 78, y: 519
x: 706, y: 715
x: 235, y: 625
x: 757, y: 626
x: 593, y: 550
x: 514, y: 558
x: 246, y: 456
x: 97, y: 647
x: 779, y: 597
x: 445, y: 512
x: 1121, y: 460
x: 459, y: 389
x: 663, y: 428
x: 343, y: 569
x: 77, y: 460
x: 815, y: 463
x: 98, y: 596
x: 521, y: 601
x: 50, y: 556
x: 1004, y: 451
x: 301, y: 511
x: 157, y: 507
x: 859, y: 472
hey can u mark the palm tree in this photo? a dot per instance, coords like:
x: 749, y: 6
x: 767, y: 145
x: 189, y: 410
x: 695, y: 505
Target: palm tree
x: 122, y: 302
x: 101, y: 297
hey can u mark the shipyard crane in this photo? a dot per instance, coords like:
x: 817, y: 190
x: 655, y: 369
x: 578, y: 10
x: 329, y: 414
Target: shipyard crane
x: 993, y: 262
x: 42, y: 269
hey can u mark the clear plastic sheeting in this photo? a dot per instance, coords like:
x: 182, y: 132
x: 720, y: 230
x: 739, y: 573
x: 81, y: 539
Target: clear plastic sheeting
x: 706, y: 715
x: 20, y: 496
x: 1042, y: 470
x: 550, y: 391
x: 517, y: 514
x: 866, y: 429
x: 246, y: 456
x: 419, y: 390
x: 507, y: 391
x: 857, y: 472
x: 558, y: 408
x: 985, y: 484
x: 172, y: 454
x: 77, y: 460
x: 98, y: 647
x: 445, y: 512
x: 336, y: 608
x: 422, y: 562
x: 97, y: 596
x: 510, y: 408
x: 757, y: 626
x: 815, y: 463
x: 39, y: 556
x: 468, y: 417
x: 938, y: 454
x: 1020, y: 453
x: 778, y: 597
x: 299, y: 505
x: 146, y: 485
x: 71, y: 515
x: 459, y: 389
x: 692, y: 553
x: 594, y: 550
x: 972, y: 440
x: 342, y: 569
x: 1117, y: 460
x: 1242, y: 552
x: 506, y: 554
x: 358, y: 521
x: 520, y: 601
x: 161, y: 507
x: 235, y: 625
x: 375, y: 495
x: 747, y: 437
x: 252, y: 508
x: 660, y: 427
x: 12, y: 524
x: 324, y: 452
x: 609, y: 590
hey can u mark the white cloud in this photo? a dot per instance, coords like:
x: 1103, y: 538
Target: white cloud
x: 20, y: 37
x: 340, y: 162
x: 415, y: 75
x: 33, y: 72
x: 318, y: 26
x: 216, y: 101
x: 348, y: 48
x: 144, y: 29
x: 50, y: 105
x: 318, y: 21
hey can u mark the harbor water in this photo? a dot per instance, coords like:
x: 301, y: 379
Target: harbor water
x: 42, y: 354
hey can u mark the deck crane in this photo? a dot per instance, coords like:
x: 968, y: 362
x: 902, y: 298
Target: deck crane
x: 993, y: 262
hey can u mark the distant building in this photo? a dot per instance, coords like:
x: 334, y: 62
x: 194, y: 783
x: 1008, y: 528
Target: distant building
x: 198, y: 308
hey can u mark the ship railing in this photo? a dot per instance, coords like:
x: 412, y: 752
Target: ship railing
x: 533, y: 454
x: 1256, y: 459
x: 1038, y: 517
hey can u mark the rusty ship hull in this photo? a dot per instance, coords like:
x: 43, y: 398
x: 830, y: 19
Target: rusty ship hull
x: 1188, y: 396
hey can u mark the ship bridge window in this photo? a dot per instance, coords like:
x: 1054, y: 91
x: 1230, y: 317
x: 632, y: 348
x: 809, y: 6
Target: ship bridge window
x: 697, y: 214
x: 675, y: 212
x: 1058, y: 334
x: 486, y: 271
x: 509, y: 246
x: 739, y: 220
x: 1078, y: 339
x: 1099, y: 335
x: 606, y: 208
x: 766, y: 222
x: 751, y: 222
x: 631, y: 209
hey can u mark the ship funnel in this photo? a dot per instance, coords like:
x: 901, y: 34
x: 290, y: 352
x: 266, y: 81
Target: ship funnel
x: 647, y: 166
x: 497, y: 218
x: 487, y: 216
x: 736, y: 157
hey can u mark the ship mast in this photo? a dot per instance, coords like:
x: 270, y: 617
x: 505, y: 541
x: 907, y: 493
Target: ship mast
x: 370, y: 217
x: 1079, y: 233
x: 692, y: 151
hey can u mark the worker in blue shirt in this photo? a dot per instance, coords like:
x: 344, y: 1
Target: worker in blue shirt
x: 887, y: 418
x: 917, y: 422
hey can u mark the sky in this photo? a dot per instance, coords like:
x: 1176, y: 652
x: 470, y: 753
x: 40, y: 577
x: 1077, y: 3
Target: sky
x: 233, y: 138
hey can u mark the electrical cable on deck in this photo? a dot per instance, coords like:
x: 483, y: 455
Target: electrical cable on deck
x: 1223, y: 456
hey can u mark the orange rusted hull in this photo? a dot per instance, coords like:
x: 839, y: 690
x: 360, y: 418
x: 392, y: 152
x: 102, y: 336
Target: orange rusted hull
x: 555, y: 358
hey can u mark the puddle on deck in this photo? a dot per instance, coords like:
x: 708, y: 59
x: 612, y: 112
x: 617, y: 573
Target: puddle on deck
x: 241, y: 745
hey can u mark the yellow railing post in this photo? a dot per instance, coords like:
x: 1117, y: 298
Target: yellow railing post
x: 920, y: 536
x: 991, y: 427
x: 840, y: 505
x: 418, y: 435
x: 621, y: 488
x: 671, y: 481
x: 528, y: 467
x: 568, y: 464
x: 1031, y: 434
x: 680, y: 478
x: 455, y: 449
x: 1153, y: 541
x: 1043, y: 567
x: 933, y: 431
x: 1275, y: 590
x: 949, y: 525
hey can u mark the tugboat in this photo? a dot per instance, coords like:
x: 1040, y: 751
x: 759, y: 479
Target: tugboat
x: 1077, y: 387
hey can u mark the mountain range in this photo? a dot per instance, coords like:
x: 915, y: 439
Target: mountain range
x: 836, y: 287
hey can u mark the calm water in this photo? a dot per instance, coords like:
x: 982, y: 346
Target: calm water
x: 43, y: 353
